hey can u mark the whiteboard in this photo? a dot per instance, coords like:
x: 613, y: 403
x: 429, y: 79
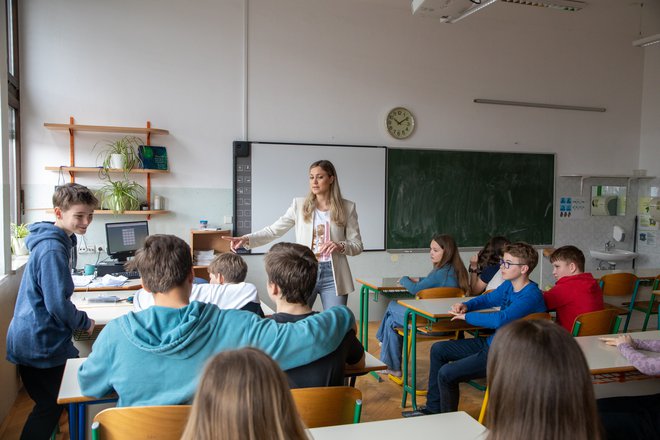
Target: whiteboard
x: 280, y: 172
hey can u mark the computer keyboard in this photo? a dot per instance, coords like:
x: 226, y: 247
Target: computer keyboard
x: 132, y: 275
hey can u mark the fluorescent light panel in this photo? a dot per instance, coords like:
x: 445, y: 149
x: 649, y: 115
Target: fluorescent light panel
x: 647, y: 41
x: 562, y: 5
x: 468, y: 12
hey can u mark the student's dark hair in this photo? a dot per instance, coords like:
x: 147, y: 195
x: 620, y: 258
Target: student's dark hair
x: 69, y: 194
x: 569, y: 254
x: 452, y: 256
x: 229, y: 265
x: 491, y: 254
x: 539, y: 385
x: 164, y: 262
x: 525, y: 252
x: 293, y: 268
x: 243, y: 395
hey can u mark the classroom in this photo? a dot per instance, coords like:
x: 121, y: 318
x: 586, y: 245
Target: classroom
x: 328, y: 72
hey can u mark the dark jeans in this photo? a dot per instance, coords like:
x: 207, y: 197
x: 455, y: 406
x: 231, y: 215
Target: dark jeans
x: 630, y: 417
x: 453, y: 362
x: 42, y: 385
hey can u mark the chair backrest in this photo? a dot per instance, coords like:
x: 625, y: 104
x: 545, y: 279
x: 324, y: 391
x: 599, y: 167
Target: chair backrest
x: 141, y: 422
x: 601, y: 322
x: 656, y: 283
x: 539, y: 315
x: 618, y: 284
x: 440, y: 292
x: 328, y: 406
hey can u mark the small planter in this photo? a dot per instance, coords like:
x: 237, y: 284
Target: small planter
x: 18, y: 246
x: 117, y: 161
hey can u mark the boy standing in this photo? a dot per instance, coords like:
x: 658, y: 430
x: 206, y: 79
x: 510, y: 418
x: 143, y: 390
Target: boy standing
x: 461, y: 360
x: 39, y: 335
x: 576, y: 292
x: 291, y: 270
x: 155, y: 357
x: 227, y: 289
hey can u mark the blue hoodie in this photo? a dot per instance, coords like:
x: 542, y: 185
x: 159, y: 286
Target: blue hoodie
x: 444, y: 276
x: 155, y: 356
x: 44, y: 318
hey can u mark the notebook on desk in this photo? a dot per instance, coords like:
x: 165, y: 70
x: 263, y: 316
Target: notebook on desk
x: 81, y: 280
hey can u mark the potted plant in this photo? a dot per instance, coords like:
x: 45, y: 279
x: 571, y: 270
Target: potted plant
x: 121, y: 195
x: 121, y: 154
x: 18, y: 234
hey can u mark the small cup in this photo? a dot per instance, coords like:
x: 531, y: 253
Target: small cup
x: 90, y: 269
x: 203, y: 224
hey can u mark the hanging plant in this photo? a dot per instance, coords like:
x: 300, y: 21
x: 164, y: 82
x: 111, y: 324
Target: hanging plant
x: 120, y: 154
x: 121, y: 195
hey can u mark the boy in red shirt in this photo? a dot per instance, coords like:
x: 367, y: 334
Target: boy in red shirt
x: 576, y: 292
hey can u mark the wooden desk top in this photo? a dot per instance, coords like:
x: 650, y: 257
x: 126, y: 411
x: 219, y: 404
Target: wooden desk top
x: 70, y: 388
x: 371, y: 363
x: 383, y: 284
x: 436, y: 308
x: 102, y: 313
x: 455, y: 425
x: 128, y: 285
x: 603, y: 358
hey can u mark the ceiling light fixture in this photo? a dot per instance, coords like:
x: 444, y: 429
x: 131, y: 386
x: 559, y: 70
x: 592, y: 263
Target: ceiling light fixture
x: 647, y: 41
x: 474, y: 8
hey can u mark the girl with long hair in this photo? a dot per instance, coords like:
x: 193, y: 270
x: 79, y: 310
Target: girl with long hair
x: 243, y: 395
x: 539, y: 384
x: 448, y: 271
x: 326, y: 223
x: 485, y: 265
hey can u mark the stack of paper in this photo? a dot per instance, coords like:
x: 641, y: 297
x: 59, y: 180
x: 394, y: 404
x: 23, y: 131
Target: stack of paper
x: 203, y: 258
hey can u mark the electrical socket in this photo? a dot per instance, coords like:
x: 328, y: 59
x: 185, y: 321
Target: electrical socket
x: 99, y: 249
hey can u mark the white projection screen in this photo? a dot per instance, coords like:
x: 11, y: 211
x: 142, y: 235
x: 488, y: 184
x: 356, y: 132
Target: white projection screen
x: 280, y: 172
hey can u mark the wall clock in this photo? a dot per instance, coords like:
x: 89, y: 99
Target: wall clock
x: 400, y: 123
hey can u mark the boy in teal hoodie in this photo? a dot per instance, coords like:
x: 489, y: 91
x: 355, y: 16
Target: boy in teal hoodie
x: 39, y: 335
x: 155, y: 356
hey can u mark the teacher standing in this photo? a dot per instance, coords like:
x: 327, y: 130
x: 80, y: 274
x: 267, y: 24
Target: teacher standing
x: 325, y: 222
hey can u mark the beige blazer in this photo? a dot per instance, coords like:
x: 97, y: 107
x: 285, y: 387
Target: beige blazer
x: 349, y: 235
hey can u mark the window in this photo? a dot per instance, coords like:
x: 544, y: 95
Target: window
x: 13, y: 97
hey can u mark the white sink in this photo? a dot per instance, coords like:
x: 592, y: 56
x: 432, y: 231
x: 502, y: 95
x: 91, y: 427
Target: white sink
x: 613, y: 255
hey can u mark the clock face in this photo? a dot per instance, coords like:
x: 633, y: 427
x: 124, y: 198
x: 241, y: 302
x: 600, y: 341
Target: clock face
x: 400, y: 123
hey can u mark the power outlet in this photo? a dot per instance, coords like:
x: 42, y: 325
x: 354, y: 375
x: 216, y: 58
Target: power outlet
x: 99, y: 249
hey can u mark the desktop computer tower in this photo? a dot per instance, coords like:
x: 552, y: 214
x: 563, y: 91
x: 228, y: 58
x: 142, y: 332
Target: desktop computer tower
x: 108, y: 268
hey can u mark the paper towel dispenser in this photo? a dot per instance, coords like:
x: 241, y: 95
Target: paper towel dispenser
x: 608, y: 200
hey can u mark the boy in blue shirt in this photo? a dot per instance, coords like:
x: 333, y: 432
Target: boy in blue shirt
x: 39, y: 335
x: 458, y: 361
x: 155, y: 356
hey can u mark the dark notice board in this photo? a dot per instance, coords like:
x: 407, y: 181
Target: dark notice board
x: 471, y: 195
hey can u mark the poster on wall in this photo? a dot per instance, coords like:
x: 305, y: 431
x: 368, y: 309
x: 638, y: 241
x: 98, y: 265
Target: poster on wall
x: 571, y: 208
x: 647, y: 222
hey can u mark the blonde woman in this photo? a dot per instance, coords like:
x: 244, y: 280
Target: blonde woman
x: 243, y: 395
x: 326, y: 223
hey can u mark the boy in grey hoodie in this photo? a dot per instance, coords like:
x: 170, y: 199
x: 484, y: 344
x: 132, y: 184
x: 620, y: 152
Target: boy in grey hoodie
x: 39, y: 336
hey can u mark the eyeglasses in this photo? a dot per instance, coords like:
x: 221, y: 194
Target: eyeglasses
x: 508, y: 264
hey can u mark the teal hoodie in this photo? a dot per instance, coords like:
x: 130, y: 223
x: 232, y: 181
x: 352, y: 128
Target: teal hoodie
x: 155, y: 357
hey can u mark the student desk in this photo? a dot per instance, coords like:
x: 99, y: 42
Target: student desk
x: 388, y: 287
x: 371, y: 363
x: 70, y: 395
x: 128, y: 285
x: 454, y: 425
x: 434, y: 310
x: 606, y: 362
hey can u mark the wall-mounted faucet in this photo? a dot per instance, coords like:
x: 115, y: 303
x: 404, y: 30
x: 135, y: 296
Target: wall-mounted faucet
x: 609, y: 245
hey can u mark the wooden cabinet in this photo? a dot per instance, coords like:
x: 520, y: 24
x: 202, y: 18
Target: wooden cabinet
x: 72, y: 169
x: 205, y: 240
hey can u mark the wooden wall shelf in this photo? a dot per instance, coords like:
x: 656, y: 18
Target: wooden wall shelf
x: 110, y: 170
x: 105, y: 128
x: 109, y: 212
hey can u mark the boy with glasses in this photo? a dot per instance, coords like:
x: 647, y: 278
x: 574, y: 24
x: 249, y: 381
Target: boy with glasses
x: 462, y: 360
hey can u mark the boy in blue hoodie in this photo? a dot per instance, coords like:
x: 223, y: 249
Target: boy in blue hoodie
x: 458, y: 361
x: 39, y: 335
x: 155, y: 356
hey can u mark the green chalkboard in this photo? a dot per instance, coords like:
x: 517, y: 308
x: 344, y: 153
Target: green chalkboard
x: 472, y: 195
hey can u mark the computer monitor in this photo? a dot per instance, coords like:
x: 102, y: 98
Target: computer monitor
x: 124, y: 238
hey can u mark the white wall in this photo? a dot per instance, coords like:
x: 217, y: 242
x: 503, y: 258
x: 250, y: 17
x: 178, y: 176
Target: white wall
x: 323, y: 71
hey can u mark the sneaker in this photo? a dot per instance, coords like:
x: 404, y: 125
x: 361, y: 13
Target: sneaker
x: 421, y: 411
x: 394, y: 373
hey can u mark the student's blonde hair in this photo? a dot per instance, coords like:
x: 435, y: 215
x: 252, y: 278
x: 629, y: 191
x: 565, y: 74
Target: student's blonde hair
x: 337, y: 212
x: 243, y: 395
x: 231, y: 266
x: 525, y: 252
x: 451, y: 256
x: 539, y: 384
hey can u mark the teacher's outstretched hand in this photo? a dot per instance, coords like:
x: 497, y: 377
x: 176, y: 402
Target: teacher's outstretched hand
x: 237, y: 242
x: 327, y: 224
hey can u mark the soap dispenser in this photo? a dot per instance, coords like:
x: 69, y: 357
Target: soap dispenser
x: 618, y: 234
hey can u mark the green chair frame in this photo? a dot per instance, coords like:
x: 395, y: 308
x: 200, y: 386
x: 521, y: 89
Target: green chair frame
x: 614, y: 329
x: 631, y: 307
x: 647, y: 307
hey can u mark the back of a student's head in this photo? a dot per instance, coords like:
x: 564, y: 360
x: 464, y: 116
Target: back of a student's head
x: 492, y: 251
x: 164, y: 262
x: 523, y: 252
x: 230, y: 266
x: 539, y: 384
x: 243, y: 395
x: 293, y: 268
x: 70, y: 194
x: 569, y: 254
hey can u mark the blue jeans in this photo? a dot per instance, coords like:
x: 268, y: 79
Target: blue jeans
x: 453, y: 362
x: 392, y: 343
x: 325, y: 286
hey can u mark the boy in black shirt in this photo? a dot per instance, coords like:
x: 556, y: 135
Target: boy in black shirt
x: 292, y: 270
